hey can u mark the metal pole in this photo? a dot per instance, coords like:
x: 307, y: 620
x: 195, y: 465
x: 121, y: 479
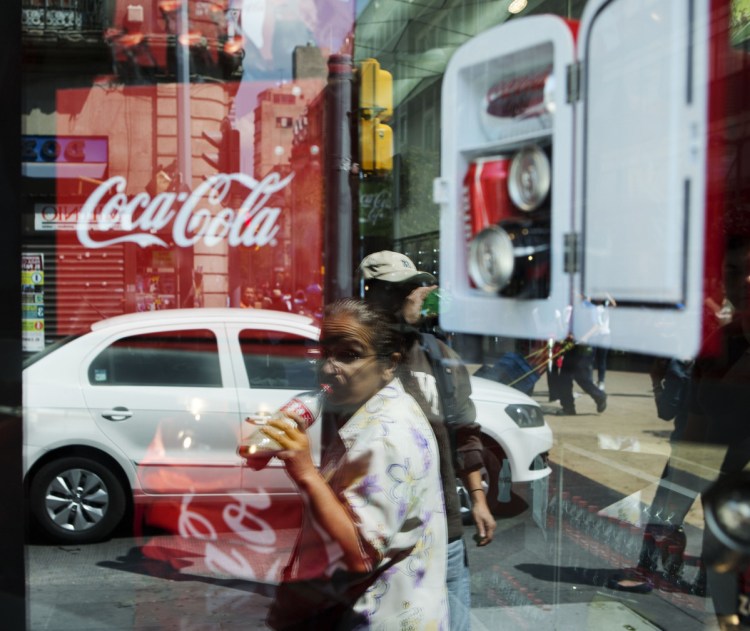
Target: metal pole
x: 341, y: 228
x: 13, y: 603
x: 184, y: 159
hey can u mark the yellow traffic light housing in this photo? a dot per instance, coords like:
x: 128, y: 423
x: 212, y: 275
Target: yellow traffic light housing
x: 375, y: 91
x: 375, y: 106
x: 376, y: 147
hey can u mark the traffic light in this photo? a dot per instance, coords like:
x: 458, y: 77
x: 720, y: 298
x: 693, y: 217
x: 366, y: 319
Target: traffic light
x: 375, y: 107
x: 226, y: 158
x: 375, y: 91
x: 376, y: 146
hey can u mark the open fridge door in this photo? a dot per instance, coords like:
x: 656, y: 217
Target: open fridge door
x: 642, y: 142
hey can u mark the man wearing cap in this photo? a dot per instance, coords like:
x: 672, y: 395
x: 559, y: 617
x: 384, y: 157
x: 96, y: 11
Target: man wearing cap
x: 393, y: 282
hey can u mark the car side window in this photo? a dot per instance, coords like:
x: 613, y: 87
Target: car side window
x: 166, y: 358
x: 274, y: 359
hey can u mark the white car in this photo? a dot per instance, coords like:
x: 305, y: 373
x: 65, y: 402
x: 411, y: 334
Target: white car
x: 151, y: 406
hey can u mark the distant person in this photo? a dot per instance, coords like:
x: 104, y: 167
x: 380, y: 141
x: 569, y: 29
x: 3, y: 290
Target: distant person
x: 248, y: 299
x: 299, y: 304
x: 574, y: 363
x: 601, y: 340
x: 393, y: 283
x: 314, y: 294
x: 371, y: 552
x: 577, y: 366
x: 600, y: 366
x: 280, y: 301
x: 719, y: 407
x: 717, y: 425
x: 666, y: 515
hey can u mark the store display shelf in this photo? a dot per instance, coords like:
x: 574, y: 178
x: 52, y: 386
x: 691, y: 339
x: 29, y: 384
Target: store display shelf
x: 508, y: 144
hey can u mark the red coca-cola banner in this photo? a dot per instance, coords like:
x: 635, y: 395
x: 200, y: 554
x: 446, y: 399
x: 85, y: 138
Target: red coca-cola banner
x: 248, y: 536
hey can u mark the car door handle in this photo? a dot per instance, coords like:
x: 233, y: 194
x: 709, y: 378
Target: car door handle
x: 118, y: 413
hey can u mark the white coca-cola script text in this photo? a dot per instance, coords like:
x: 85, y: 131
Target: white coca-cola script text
x: 198, y: 215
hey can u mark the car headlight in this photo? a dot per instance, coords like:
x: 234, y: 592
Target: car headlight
x: 525, y: 415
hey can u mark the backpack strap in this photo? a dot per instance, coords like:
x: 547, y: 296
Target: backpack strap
x: 444, y: 376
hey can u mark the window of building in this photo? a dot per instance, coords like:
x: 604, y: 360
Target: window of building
x: 284, y: 99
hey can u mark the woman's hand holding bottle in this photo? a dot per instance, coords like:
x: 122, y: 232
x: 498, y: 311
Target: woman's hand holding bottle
x: 299, y: 412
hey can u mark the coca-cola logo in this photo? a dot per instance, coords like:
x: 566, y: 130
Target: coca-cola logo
x: 376, y: 205
x: 194, y: 216
x: 255, y: 537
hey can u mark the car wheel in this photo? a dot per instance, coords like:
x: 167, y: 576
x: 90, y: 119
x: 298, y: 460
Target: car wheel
x: 77, y: 500
x: 490, y: 475
x: 514, y: 504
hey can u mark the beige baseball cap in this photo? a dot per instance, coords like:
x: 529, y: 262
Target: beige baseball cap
x: 393, y: 267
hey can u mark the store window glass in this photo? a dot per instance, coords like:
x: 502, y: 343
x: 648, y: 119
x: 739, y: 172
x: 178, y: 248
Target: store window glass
x: 574, y: 173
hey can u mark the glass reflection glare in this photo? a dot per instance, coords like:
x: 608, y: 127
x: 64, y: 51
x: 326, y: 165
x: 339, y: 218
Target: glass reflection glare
x: 733, y: 514
x: 185, y: 439
x: 196, y: 407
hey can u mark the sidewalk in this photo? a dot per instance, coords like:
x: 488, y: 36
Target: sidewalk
x: 626, y: 447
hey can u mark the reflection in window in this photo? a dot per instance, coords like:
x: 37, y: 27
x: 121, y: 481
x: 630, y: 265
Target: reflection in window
x: 279, y: 360
x: 166, y: 358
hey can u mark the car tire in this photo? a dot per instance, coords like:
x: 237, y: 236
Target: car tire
x: 490, y: 475
x: 77, y: 500
x: 493, y: 456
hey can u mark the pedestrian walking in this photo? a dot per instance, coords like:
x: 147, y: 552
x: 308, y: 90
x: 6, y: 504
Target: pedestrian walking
x: 372, y: 547
x: 577, y: 367
x: 392, y: 281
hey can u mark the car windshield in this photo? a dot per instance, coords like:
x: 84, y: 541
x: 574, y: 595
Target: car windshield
x: 32, y: 359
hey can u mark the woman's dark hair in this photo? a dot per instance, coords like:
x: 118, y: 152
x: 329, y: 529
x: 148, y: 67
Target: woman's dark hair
x: 385, y: 337
x: 388, y: 337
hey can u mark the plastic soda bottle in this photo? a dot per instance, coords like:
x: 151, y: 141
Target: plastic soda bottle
x: 432, y: 303
x: 307, y: 405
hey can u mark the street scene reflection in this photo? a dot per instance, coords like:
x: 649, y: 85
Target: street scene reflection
x: 374, y: 313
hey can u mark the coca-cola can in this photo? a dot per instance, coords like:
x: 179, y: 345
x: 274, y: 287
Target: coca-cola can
x: 485, y: 194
